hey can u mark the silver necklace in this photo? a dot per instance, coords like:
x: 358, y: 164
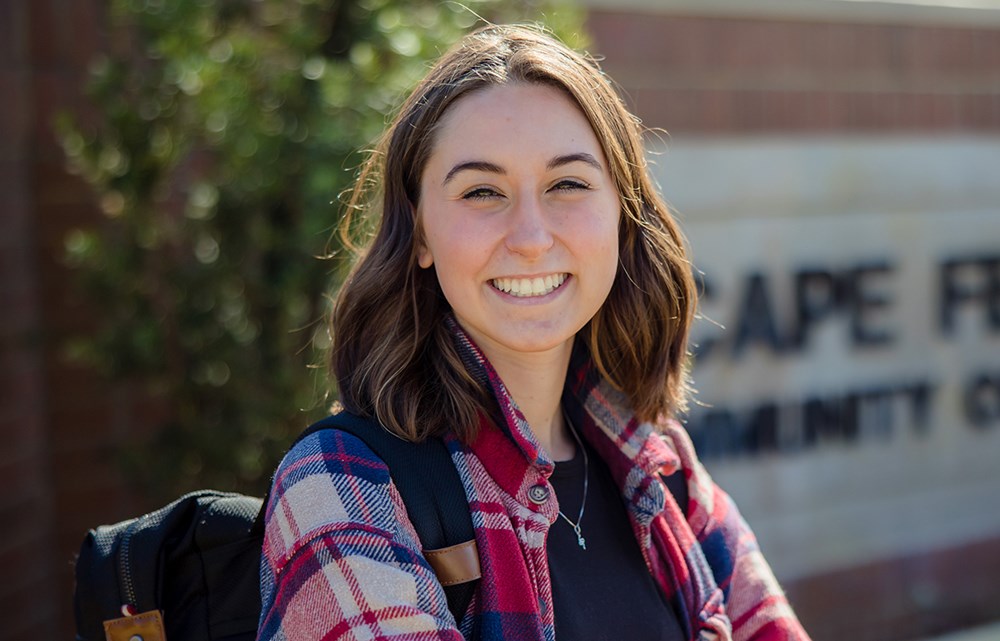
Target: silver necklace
x: 583, y: 504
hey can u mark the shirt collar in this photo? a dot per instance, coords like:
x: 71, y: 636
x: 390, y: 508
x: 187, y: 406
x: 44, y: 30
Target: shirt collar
x: 633, y: 450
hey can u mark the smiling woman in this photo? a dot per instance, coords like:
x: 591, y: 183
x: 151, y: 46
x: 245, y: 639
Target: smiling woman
x: 523, y: 238
x: 526, y: 299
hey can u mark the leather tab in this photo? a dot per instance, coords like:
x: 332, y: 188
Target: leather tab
x: 145, y: 626
x: 455, y: 564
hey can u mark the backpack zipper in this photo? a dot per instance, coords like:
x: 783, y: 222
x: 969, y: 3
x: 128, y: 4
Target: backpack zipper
x: 129, y: 603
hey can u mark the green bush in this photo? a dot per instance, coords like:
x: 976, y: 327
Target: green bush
x: 225, y: 131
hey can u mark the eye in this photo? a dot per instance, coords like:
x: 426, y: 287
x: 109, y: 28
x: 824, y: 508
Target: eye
x: 481, y: 193
x: 569, y: 184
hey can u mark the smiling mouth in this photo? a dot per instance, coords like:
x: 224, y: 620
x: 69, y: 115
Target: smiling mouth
x: 527, y: 287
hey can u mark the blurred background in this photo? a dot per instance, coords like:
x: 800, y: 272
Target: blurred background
x: 171, y: 172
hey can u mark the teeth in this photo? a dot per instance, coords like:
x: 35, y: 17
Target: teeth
x: 524, y: 287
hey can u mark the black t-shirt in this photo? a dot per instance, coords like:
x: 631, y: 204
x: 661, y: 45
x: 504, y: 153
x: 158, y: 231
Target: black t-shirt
x: 603, y: 593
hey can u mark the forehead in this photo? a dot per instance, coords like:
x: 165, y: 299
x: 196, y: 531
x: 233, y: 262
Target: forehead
x: 514, y: 117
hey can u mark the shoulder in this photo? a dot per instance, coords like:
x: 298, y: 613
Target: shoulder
x: 329, y: 453
x: 340, y: 556
x: 329, y: 481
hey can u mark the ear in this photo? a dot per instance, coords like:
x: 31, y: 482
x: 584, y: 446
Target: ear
x: 424, y: 257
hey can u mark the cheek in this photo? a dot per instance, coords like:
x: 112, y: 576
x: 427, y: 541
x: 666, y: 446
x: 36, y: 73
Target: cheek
x: 457, y: 257
x: 459, y: 243
x: 434, y: 238
x: 460, y: 288
x: 451, y: 289
x: 611, y: 263
x: 605, y: 238
x: 606, y: 255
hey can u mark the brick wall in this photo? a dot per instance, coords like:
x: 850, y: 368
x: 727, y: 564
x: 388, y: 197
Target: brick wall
x: 719, y: 75
x: 910, y: 597
x: 57, y: 420
x: 26, y: 505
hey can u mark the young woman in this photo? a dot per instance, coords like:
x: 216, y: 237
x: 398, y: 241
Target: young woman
x: 526, y: 298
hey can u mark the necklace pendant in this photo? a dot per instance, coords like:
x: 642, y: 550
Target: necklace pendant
x: 579, y: 537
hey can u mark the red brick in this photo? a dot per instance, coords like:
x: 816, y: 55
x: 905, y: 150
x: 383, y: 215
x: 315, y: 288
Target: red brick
x: 88, y: 34
x: 14, y: 110
x: 23, y: 464
x: 65, y: 34
x: 70, y: 409
x: 878, y: 69
x: 988, y: 51
x: 980, y: 111
x: 20, y: 377
x: 26, y: 550
x: 15, y: 225
x: 28, y: 616
x: 54, y: 93
x: 82, y: 472
x: 716, y: 112
x: 13, y: 27
x: 917, y: 595
x: 820, y: 112
x: 18, y: 288
x: 87, y: 506
x: 44, y: 32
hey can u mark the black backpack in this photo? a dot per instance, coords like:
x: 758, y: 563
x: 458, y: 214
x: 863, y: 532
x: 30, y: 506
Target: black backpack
x: 190, y: 571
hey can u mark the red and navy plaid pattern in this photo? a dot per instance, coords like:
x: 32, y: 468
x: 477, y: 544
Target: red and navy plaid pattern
x: 342, y: 561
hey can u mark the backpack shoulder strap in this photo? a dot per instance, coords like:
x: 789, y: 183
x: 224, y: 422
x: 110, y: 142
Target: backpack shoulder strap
x: 423, y: 473
x: 430, y: 487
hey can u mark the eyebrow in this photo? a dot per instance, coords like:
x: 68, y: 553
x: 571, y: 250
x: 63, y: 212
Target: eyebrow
x: 559, y: 161
x: 473, y: 165
x: 490, y: 168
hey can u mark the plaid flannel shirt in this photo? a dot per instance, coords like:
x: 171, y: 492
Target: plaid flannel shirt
x: 342, y: 561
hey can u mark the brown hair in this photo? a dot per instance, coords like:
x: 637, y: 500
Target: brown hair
x: 394, y: 358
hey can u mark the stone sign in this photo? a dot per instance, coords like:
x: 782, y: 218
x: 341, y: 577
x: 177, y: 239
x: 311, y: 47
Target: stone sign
x: 847, y: 360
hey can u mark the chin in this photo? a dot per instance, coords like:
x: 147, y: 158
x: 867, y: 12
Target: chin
x: 532, y: 341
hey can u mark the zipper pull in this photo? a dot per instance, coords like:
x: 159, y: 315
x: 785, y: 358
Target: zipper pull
x: 143, y: 626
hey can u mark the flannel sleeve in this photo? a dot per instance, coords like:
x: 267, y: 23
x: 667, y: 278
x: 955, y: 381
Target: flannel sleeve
x: 755, y: 603
x: 340, y: 558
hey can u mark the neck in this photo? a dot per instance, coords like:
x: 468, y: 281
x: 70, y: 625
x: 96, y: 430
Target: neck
x: 535, y: 382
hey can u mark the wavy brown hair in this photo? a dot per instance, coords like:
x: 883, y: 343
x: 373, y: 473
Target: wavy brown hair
x: 393, y: 358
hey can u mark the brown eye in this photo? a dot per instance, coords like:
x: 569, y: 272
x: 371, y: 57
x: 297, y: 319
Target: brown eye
x: 481, y: 193
x: 570, y: 185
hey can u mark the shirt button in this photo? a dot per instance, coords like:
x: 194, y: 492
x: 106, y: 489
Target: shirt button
x: 538, y: 494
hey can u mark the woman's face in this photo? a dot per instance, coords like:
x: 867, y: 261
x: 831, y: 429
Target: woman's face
x: 520, y: 218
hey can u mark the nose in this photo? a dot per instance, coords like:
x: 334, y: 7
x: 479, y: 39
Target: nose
x: 528, y: 233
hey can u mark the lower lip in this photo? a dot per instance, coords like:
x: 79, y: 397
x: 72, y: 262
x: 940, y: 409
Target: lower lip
x: 528, y: 300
